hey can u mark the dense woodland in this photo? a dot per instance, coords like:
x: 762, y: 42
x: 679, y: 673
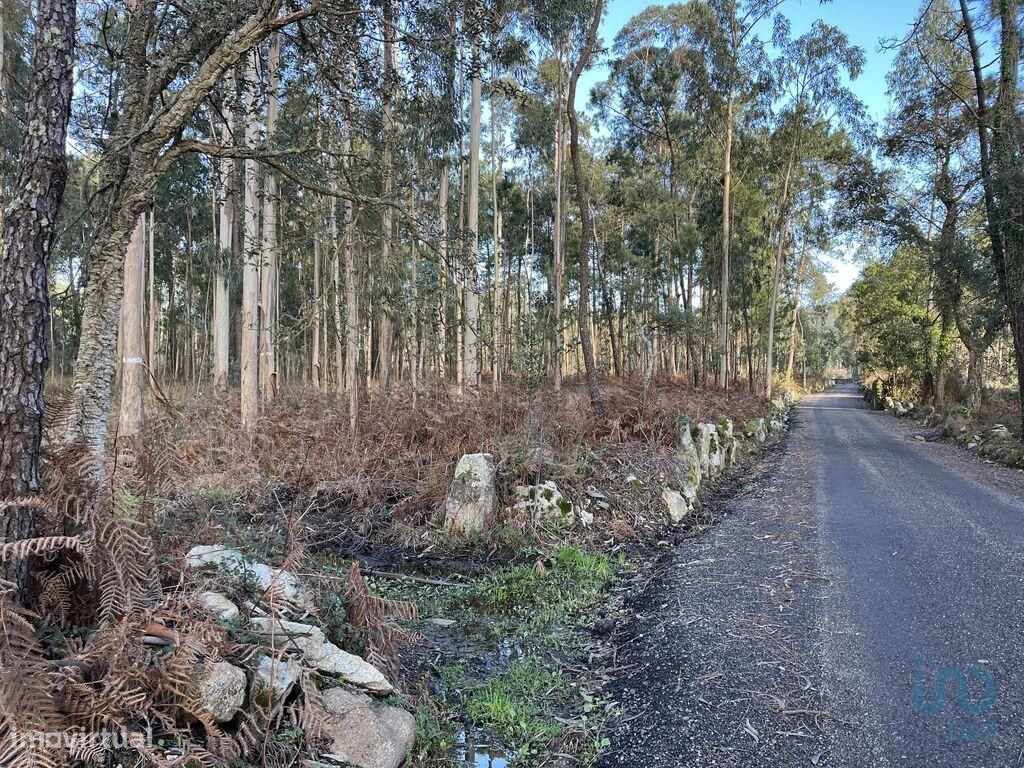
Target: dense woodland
x: 256, y: 211
x: 397, y: 196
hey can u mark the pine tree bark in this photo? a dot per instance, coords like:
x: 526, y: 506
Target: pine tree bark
x: 27, y: 241
x: 583, y: 198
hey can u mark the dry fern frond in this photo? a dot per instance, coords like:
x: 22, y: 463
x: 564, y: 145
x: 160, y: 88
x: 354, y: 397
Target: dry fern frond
x: 41, y: 545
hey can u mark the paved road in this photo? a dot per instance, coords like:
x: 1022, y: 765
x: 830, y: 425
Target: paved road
x: 861, y: 572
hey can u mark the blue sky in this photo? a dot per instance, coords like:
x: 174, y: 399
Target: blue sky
x: 866, y: 22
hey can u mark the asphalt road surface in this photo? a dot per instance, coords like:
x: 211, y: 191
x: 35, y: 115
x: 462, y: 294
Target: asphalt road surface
x: 859, y: 604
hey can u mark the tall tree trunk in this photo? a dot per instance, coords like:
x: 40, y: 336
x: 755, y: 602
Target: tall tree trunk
x: 471, y: 353
x: 154, y: 307
x: 270, y: 263
x: 780, y: 252
x: 723, y: 318
x: 444, y: 268
x: 386, y: 328
x: 221, y: 291
x: 27, y: 240
x: 559, y: 225
x: 316, y: 352
x: 251, y: 269
x: 496, y: 234
x: 796, y: 310
x: 132, y: 377
x: 583, y: 198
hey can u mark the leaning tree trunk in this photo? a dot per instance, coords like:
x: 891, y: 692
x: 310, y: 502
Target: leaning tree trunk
x: 28, y: 238
x: 583, y: 197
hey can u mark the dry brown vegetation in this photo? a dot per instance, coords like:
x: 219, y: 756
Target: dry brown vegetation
x: 113, y: 634
x: 388, y: 480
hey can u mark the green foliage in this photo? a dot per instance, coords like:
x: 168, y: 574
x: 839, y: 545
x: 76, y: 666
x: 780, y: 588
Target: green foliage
x: 889, y: 310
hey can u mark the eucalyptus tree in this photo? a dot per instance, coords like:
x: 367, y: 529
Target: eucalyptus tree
x: 811, y: 73
x: 583, y: 198
x: 653, y: 104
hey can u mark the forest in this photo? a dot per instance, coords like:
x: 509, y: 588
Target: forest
x: 359, y: 314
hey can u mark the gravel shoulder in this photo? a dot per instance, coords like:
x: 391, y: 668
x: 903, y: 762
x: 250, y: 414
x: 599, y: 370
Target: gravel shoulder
x: 720, y: 666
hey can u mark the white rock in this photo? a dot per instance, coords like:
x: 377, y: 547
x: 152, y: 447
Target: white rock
x: 728, y: 440
x: 677, y: 506
x: 219, y: 605
x: 755, y: 429
x: 354, y: 670
x: 321, y: 655
x: 290, y: 635
x: 472, y: 500
x: 544, y: 502
x: 710, y: 450
x: 586, y: 517
x: 220, y: 688
x: 203, y: 555
x: 277, y: 585
x: 365, y: 733
x: 274, y: 679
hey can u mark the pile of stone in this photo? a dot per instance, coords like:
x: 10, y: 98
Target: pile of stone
x: 703, y: 453
x: 360, y: 729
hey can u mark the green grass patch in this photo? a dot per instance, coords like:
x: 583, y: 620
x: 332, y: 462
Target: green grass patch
x: 553, y: 591
x: 516, y: 705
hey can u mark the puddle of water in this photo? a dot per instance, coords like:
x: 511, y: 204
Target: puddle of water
x: 471, y: 753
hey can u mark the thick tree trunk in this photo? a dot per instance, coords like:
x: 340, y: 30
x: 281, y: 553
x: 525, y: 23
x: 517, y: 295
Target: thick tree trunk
x: 132, y: 375
x: 24, y: 297
x: 586, y: 225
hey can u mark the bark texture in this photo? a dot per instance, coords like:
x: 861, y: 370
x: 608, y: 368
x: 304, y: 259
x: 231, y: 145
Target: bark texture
x: 28, y: 237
